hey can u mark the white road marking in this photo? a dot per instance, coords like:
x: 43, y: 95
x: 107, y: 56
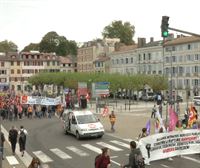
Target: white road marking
x: 42, y: 156
x: 192, y: 159
x: 129, y: 140
x: 121, y: 144
x: 60, y: 153
x: 77, y: 151
x: 109, y: 146
x: 27, y: 158
x: 12, y: 160
x: 92, y: 148
x: 164, y: 165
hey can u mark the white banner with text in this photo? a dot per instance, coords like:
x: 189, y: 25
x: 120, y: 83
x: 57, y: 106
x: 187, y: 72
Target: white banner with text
x: 165, y: 145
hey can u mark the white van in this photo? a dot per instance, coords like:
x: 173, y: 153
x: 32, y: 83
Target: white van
x: 196, y: 100
x: 82, y: 123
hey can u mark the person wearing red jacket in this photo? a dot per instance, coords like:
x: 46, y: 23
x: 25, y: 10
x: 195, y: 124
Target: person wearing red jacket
x: 104, y: 160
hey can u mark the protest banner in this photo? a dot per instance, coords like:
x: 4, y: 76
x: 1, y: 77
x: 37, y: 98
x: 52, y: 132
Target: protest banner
x: 40, y: 100
x: 165, y: 145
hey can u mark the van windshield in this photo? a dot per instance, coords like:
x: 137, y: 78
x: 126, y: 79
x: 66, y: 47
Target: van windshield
x: 84, y: 119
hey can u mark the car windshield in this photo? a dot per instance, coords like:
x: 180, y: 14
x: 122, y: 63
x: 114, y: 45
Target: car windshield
x: 84, y: 119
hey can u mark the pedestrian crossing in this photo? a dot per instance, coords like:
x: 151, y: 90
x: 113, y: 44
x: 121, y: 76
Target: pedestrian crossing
x: 81, y: 150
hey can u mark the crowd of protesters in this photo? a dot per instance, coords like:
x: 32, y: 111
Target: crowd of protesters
x: 11, y: 109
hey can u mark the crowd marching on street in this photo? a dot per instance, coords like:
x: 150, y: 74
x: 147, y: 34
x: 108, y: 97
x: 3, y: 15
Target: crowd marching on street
x: 11, y: 109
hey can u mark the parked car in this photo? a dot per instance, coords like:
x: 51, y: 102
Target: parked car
x: 196, y: 100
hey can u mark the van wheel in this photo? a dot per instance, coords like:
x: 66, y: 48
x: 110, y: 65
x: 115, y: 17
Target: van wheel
x: 77, y: 135
x: 100, y: 136
x: 66, y: 132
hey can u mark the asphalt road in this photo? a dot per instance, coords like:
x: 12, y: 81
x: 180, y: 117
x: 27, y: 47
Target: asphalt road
x: 47, y: 140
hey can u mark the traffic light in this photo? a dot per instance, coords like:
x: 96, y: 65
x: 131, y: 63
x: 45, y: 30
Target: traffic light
x: 164, y: 26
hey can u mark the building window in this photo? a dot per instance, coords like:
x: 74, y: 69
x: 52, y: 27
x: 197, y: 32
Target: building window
x: 196, y: 57
x: 18, y: 63
x: 188, y: 57
x: 126, y: 60
x: 131, y: 59
x: 48, y: 63
x: 26, y: 56
x: 189, y: 47
x: 12, y: 63
x: 139, y: 57
x: 12, y: 71
x: 173, y: 58
x: 117, y: 61
x: 18, y: 71
x: 2, y: 64
x: 144, y: 58
x: 149, y: 56
x: 53, y: 63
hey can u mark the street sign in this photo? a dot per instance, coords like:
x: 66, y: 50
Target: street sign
x: 102, y: 88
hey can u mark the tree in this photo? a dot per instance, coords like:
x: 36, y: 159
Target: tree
x: 31, y: 46
x: 49, y: 42
x: 123, y: 31
x: 8, y: 46
x: 52, y: 42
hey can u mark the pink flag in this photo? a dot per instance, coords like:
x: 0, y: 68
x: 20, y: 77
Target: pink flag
x: 173, y: 118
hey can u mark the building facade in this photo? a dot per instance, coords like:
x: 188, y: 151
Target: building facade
x: 182, y: 64
x: 89, y: 52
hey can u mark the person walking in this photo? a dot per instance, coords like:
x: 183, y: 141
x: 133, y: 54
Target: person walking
x: 103, y: 160
x: 12, y: 137
x: 2, y: 144
x: 153, y: 112
x: 112, y: 118
x: 22, y: 140
x: 132, y: 156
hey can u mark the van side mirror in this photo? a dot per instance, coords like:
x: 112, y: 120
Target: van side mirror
x: 74, y: 121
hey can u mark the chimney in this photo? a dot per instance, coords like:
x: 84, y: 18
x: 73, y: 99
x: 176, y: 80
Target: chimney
x: 141, y: 42
x: 151, y: 39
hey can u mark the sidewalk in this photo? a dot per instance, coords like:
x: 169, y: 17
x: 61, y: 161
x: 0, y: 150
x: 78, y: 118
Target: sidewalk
x: 11, y: 161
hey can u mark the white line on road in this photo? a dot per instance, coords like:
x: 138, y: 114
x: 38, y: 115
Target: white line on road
x: 42, y: 156
x: 129, y: 140
x: 164, y: 165
x: 77, y: 151
x: 27, y: 158
x: 109, y: 146
x: 12, y: 160
x: 60, y: 153
x: 192, y: 159
x: 121, y: 144
x: 92, y: 148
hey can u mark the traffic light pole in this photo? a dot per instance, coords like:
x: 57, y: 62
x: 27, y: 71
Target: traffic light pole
x: 182, y: 31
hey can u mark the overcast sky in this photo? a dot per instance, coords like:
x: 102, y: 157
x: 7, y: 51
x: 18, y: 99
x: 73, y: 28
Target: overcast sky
x: 26, y: 21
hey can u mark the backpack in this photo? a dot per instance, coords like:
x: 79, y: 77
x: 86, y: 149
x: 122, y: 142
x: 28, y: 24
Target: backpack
x: 96, y: 159
x: 22, y: 136
x: 139, y: 160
